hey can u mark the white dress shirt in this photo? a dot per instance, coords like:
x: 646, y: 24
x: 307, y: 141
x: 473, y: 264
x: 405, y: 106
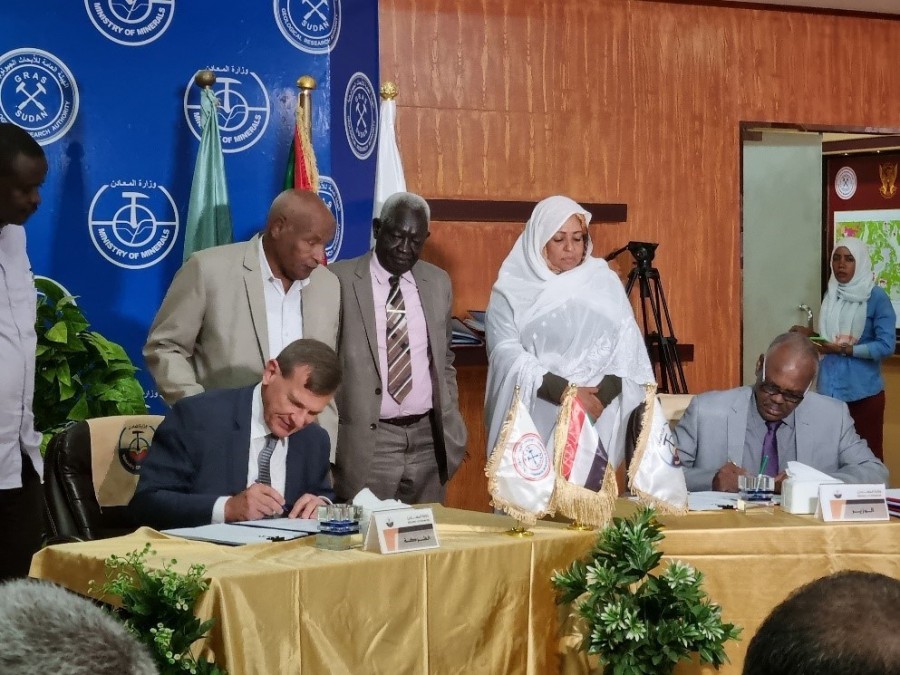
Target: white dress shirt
x: 18, y: 342
x: 259, y: 430
x: 284, y: 309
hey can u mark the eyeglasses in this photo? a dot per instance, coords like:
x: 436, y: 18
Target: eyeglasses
x: 788, y: 396
x: 771, y: 389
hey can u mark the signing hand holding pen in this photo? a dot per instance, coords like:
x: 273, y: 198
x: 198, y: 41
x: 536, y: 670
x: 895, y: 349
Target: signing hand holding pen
x: 726, y: 478
x: 257, y: 501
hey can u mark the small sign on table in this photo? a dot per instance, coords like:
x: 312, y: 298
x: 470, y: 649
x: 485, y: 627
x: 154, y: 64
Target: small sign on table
x: 400, y: 530
x: 847, y: 502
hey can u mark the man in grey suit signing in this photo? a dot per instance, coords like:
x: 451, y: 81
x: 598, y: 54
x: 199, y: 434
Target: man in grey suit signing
x: 759, y: 429
x: 400, y: 432
x: 230, y: 309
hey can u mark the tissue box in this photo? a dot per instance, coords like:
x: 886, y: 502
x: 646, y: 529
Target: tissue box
x: 801, y: 496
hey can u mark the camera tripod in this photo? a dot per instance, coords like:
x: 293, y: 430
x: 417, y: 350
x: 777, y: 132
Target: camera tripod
x: 658, y: 336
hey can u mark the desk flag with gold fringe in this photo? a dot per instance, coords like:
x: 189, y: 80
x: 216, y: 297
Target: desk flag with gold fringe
x: 302, y: 173
x: 389, y: 178
x: 209, y: 214
x: 655, y: 476
x: 586, y: 489
x: 520, y: 470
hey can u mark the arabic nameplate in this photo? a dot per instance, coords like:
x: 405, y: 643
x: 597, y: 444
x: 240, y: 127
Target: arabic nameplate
x: 853, y: 503
x: 401, y: 530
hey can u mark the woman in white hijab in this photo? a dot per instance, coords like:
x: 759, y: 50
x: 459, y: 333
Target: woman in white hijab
x: 556, y: 316
x: 857, y: 325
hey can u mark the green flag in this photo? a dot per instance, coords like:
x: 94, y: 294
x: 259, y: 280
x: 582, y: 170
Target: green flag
x: 209, y: 216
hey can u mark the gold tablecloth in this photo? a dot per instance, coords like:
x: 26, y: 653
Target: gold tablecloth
x: 482, y: 603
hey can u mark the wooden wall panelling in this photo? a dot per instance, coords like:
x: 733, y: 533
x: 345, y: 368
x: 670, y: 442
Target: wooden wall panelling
x: 625, y: 101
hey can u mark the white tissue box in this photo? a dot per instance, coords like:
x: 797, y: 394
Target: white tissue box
x: 801, y: 496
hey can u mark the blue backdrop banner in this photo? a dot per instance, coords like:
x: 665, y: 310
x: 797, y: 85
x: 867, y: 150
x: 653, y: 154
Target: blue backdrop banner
x: 106, y: 87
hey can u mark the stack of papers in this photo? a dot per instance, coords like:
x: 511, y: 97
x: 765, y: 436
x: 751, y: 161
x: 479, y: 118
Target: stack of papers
x: 464, y: 336
x: 893, y: 501
x: 249, y: 532
x: 475, y: 321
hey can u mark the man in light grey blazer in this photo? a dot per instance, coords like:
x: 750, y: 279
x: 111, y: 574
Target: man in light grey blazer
x: 724, y: 434
x: 400, y: 433
x: 232, y: 308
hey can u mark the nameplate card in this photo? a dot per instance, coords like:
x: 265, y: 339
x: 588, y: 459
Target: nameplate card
x: 852, y: 503
x: 400, y: 530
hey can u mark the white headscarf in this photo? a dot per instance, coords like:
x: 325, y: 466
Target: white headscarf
x: 843, y: 313
x: 577, y: 324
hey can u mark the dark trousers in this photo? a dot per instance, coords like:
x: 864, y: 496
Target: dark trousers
x: 21, y: 523
x: 868, y: 417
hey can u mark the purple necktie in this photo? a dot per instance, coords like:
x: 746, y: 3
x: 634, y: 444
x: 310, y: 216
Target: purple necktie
x: 770, y: 449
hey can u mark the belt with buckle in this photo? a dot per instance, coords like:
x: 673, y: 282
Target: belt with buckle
x: 406, y: 420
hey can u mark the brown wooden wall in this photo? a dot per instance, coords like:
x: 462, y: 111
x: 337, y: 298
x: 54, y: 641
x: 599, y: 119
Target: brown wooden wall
x: 622, y: 101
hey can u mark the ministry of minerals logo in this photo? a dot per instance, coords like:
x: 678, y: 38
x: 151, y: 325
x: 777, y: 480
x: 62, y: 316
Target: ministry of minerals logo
x: 312, y: 26
x: 134, y: 446
x: 361, y: 115
x: 133, y: 223
x: 243, y: 109
x: 37, y: 93
x: 131, y: 22
x: 328, y: 191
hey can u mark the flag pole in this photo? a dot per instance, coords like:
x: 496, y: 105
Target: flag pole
x: 306, y: 84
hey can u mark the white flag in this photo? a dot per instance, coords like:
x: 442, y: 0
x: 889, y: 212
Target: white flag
x: 520, y: 472
x: 656, y: 475
x: 388, y: 167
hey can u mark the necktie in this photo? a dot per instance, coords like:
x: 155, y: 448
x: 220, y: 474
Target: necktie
x: 265, y: 457
x: 399, y: 373
x: 770, y: 449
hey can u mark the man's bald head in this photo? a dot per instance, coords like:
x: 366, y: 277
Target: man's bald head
x: 784, y: 375
x: 298, y: 227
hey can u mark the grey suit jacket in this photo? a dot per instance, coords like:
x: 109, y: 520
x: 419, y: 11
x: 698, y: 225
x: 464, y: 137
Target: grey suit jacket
x: 359, y: 398
x: 211, y: 332
x: 713, y: 428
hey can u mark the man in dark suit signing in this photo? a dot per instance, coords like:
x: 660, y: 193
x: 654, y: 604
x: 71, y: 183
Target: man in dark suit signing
x: 240, y: 454
x: 400, y: 432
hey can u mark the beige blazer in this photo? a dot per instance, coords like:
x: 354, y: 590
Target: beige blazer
x: 211, y: 333
x: 359, y: 397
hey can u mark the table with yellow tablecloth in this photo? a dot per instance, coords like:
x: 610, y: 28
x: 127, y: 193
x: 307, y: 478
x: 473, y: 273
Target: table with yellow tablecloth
x: 481, y: 603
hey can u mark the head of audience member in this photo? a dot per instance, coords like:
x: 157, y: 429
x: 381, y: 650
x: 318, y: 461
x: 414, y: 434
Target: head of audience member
x: 850, y: 262
x: 298, y: 384
x: 23, y: 168
x: 45, y: 628
x: 842, y: 624
x: 783, y: 375
x: 556, y: 236
x: 298, y: 228
x: 401, y: 231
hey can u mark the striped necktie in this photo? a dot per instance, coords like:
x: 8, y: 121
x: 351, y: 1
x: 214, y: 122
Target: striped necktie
x: 265, y: 457
x: 398, y: 358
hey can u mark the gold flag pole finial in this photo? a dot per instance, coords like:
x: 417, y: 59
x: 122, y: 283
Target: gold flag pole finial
x: 389, y: 91
x: 205, y: 78
x: 306, y: 84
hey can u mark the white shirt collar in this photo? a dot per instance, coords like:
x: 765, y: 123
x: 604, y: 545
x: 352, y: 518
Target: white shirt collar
x: 258, y: 426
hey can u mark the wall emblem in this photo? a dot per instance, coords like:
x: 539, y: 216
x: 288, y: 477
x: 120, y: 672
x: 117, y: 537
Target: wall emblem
x: 243, y: 109
x: 134, y: 445
x: 328, y: 191
x: 131, y: 23
x: 361, y: 115
x: 888, y: 174
x: 530, y: 458
x: 134, y: 223
x: 312, y: 26
x: 845, y: 182
x: 38, y: 93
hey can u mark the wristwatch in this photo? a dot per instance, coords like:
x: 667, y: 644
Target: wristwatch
x: 846, y: 350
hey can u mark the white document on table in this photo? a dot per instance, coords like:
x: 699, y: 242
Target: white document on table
x: 712, y: 501
x: 233, y: 534
x: 308, y: 525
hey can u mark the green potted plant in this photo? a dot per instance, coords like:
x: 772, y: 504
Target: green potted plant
x: 639, y: 623
x: 157, y: 607
x: 79, y: 373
